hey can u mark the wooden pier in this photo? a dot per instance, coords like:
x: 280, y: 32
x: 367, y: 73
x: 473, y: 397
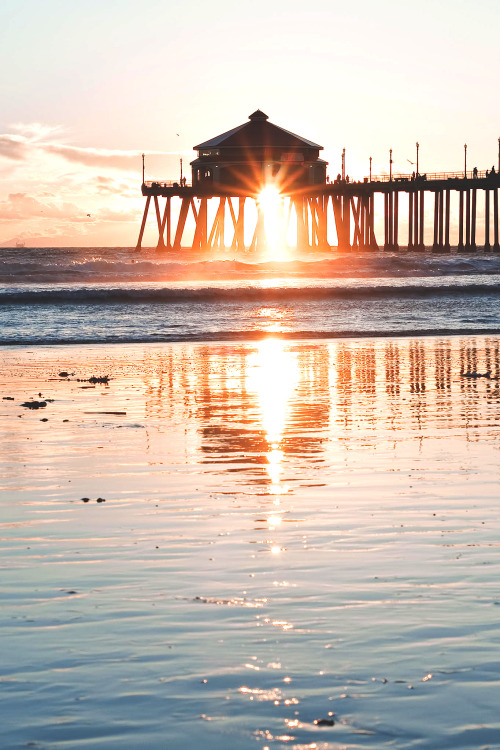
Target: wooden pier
x: 224, y: 207
x: 348, y: 211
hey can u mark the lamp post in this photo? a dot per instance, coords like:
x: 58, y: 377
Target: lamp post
x: 371, y: 162
x: 143, y: 167
x: 465, y: 157
x: 390, y: 164
x: 499, y: 154
x: 343, y: 163
x: 418, y: 146
x: 181, y: 172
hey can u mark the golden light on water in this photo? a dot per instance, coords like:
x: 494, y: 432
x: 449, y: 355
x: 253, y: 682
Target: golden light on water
x: 273, y: 375
x: 274, y: 521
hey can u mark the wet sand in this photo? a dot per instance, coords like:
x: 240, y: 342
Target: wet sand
x: 288, y: 534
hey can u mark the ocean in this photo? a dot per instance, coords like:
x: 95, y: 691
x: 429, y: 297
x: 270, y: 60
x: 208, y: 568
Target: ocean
x: 247, y: 504
x: 120, y: 295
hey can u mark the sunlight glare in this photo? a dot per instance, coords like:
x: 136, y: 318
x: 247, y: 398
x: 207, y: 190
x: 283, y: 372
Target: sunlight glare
x: 271, y: 204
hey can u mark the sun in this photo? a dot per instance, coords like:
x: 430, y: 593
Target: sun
x: 270, y: 202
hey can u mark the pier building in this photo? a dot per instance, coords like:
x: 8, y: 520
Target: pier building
x: 225, y: 203
x: 255, y: 154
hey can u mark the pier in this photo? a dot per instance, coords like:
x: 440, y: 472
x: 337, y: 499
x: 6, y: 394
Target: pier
x: 225, y: 205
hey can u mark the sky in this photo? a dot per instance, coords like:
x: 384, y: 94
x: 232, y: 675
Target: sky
x: 86, y: 86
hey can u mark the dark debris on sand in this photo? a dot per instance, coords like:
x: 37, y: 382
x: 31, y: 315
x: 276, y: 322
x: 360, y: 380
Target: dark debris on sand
x: 34, y: 404
x: 94, y: 379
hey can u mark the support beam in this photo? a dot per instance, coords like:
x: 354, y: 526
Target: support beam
x: 386, y: 222
x: 461, y: 221
x: 181, y: 222
x: 435, y: 245
x: 166, y: 222
x: 143, y: 224
x: 473, y: 221
x: 395, y: 220
x: 495, y: 219
x: 447, y: 247
x: 441, y: 201
x: 411, y: 198
x: 487, y: 245
x: 467, y: 219
x: 421, y: 245
x: 161, y: 243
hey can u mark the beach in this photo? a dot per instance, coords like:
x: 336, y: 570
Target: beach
x: 279, y: 543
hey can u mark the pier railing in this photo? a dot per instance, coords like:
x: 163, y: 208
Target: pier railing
x: 167, y: 183
x: 398, y: 177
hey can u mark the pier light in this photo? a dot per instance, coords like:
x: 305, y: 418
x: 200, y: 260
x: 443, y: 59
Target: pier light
x: 418, y: 146
x: 499, y: 155
x: 465, y: 160
x: 370, y: 168
x: 390, y: 164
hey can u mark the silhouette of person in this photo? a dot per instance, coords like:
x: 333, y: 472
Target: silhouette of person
x: 474, y: 172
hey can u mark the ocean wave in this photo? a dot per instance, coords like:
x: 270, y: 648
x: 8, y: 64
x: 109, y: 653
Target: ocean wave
x: 87, y: 295
x: 92, y: 265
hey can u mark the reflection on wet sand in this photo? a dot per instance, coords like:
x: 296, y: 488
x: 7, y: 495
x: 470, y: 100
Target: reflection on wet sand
x: 264, y: 410
x: 292, y: 531
x: 269, y: 413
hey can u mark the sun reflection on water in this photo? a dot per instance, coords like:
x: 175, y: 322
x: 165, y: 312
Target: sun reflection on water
x: 273, y: 376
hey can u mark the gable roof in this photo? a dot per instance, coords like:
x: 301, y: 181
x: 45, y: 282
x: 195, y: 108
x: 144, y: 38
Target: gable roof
x: 258, y: 132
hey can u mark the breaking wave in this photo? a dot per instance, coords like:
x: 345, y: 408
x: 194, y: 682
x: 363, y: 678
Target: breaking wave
x: 109, y: 295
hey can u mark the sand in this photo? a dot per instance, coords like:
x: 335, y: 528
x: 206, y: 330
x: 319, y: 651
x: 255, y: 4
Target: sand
x: 286, y: 533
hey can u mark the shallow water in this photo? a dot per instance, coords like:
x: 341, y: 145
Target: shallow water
x: 292, y: 531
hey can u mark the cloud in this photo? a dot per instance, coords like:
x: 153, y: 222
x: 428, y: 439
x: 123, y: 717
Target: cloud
x: 111, y: 186
x: 95, y: 157
x: 13, y: 147
x: 36, y: 131
x: 20, y: 206
x: 51, y: 187
x: 35, y: 139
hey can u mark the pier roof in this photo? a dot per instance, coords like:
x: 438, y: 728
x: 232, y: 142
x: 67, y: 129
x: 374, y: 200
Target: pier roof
x: 258, y: 132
